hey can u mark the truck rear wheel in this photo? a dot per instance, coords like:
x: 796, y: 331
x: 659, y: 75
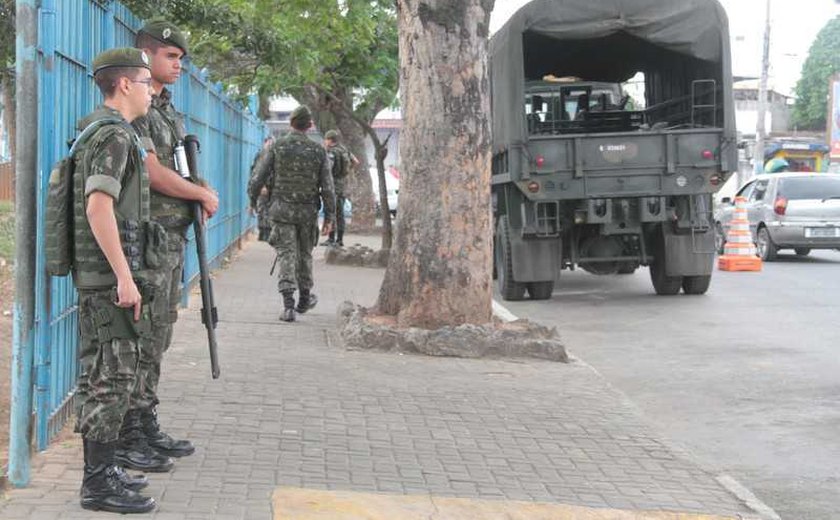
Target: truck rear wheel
x: 663, y: 284
x: 541, y: 290
x: 696, y: 284
x: 511, y: 290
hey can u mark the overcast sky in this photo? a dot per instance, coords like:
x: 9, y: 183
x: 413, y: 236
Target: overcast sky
x: 795, y: 25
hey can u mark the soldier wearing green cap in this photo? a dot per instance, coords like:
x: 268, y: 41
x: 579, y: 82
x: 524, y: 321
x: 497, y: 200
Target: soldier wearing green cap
x: 342, y: 161
x: 143, y: 446
x: 113, y: 271
x: 296, y: 171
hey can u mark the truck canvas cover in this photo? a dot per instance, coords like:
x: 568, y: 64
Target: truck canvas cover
x: 674, y: 42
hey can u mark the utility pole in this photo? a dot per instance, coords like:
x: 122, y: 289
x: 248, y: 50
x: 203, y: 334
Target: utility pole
x: 760, y: 130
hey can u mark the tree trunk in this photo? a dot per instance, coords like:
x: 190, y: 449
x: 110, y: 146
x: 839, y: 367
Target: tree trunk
x: 381, y: 152
x: 439, y: 270
x: 359, y: 188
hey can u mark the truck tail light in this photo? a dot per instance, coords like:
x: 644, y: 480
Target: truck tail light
x: 708, y: 155
x: 534, y: 187
x: 715, y: 180
x: 540, y: 160
x: 780, y: 206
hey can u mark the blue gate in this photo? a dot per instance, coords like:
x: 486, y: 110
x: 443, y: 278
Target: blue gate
x: 70, y: 34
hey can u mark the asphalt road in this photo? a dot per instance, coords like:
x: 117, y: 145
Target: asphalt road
x: 746, y: 377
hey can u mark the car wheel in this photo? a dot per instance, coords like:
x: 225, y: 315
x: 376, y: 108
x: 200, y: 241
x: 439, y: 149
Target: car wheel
x: 510, y: 289
x: 802, y: 251
x: 767, y: 250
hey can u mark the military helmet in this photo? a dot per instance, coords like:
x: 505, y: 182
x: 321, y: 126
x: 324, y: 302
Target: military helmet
x: 776, y: 165
x: 334, y: 135
x: 301, y: 114
x: 121, y: 57
x: 165, y: 32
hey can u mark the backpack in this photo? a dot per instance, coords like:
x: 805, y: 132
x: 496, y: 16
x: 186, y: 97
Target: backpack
x: 59, y: 220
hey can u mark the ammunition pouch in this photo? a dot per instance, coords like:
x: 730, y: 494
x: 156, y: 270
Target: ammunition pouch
x: 144, y: 244
x: 104, y: 321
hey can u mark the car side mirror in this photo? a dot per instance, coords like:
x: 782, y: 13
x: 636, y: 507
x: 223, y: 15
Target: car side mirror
x: 726, y: 200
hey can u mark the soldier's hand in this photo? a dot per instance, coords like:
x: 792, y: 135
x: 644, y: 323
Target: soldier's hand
x: 129, y: 296
x: 210, y: 202
x: 326, y: 227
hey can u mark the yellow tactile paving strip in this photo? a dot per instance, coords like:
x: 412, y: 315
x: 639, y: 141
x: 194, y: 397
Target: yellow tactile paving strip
x: 308, y: 504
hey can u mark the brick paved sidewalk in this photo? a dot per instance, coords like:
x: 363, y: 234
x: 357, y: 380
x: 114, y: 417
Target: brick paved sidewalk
x: 294, y: 410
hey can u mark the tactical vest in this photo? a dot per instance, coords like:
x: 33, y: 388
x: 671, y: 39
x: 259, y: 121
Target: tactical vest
x: 140, y: 241
x: 297, y: 167
x: 341, y: 166
x: 167, y: 130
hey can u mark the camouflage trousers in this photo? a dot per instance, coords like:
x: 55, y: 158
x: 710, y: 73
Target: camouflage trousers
x: 109, y: 355
x: 166, y: 306
x: 340, y: 197
x: 294, y: 243
x: 339, y: 213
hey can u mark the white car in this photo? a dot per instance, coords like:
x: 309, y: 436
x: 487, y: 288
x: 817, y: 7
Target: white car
x: 799, y: 211
x: 392, y: 184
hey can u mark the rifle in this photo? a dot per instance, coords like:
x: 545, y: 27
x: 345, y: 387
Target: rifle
x: 187, y: 159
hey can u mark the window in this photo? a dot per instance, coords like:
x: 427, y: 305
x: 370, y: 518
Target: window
x: 746, y: 191
x: 759, y: 191
x: 817, y: 187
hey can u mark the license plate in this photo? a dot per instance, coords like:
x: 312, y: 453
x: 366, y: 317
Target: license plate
x: 826, y: 232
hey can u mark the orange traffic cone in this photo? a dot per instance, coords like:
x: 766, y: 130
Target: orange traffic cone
x: 739, y: 253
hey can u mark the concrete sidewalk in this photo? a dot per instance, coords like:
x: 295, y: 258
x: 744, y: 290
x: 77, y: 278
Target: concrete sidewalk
x: 296, y: 418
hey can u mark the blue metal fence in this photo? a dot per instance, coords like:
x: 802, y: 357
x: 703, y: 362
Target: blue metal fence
x: 70, y: 34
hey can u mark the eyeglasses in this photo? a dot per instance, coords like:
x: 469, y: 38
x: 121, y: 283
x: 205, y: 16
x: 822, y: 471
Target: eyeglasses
x: 147, y: 81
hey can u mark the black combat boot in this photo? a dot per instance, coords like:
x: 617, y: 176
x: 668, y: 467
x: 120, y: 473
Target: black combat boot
x: 130, y: 482
x: 162, y: 442
x: 331, y: 240
x: 102, y: 489
x: 307, y: 301
x: 133, y: 450
x: 288, y: 306
x: 340, y: 241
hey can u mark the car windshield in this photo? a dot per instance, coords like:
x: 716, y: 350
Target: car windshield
x: 810, y: 188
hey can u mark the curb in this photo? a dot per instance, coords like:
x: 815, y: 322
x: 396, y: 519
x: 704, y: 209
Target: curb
x: 729, y: 483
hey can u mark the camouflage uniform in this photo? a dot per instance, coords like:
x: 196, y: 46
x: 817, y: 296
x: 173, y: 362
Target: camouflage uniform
x: 109, y: 341
x: 160, y: 131
x: 296, y: 170
x: 263, y: 221
x: 341, y: 162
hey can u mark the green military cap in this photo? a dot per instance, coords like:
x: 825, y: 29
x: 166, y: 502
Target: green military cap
x: 333, y: 134
x: 122, y: 57
x: 165, y: 32
x: 302, y: 114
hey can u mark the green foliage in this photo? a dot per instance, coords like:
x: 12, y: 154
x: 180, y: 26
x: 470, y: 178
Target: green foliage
x: 345, y: 47
x: 7, y: 231
x: 812, y: 89
x: 7, y: 39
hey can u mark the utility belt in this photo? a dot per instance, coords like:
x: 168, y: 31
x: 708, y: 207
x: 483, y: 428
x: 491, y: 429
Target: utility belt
x: 144, y: 245
x: 102, y: 319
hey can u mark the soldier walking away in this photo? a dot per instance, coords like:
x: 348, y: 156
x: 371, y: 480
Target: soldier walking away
x: 342, y: 161
x: 113, y: 265
x: 143, y: 446
x: 263, y: 222
x: 297, y: 173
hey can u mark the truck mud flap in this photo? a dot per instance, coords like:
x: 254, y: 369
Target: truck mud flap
x: 690, y: 254
x: 536, y: 260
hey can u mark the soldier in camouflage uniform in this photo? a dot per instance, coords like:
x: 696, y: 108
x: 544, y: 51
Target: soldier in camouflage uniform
x: 113, y: 269
x: 263, y: 222
x: 297, y: 172
x: 143, y: 445
x: 342, y: 161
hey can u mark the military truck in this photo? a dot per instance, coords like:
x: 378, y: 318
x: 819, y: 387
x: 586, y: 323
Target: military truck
x: 586, y: 177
